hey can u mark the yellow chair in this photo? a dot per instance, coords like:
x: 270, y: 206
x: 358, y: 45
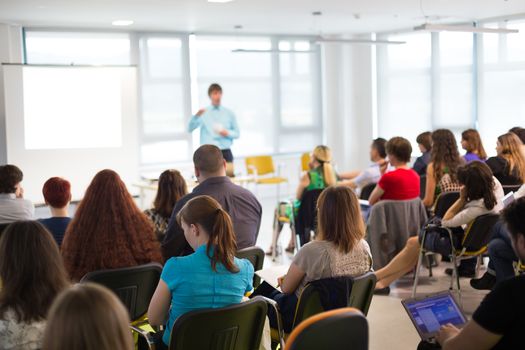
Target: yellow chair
x: 305, y: 161
x: 262, y: 169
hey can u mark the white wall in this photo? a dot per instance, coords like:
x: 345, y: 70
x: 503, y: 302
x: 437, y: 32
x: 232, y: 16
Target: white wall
x: 10, y: 52
x: 348, y: 101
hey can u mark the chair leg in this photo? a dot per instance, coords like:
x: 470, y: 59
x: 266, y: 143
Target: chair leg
x: 416, y: 273
x: 454, y: 271
x: 478, y: 265
x: 275, y: 236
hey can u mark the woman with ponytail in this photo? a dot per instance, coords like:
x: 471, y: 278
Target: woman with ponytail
x: 320, y: 175
x: 212, y: 277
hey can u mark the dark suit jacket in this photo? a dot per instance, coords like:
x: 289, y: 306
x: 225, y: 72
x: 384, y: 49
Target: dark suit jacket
x: 244, y: 209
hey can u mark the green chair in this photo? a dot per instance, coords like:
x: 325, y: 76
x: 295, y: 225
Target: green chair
x: 256, y: 257
x: 235, y: 327
x: 362, y: 292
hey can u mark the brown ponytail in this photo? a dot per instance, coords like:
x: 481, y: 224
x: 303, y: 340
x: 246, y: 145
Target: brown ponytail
x: 208, y: 213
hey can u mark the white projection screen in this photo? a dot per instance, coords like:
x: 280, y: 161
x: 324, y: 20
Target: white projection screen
x: 70, y: 122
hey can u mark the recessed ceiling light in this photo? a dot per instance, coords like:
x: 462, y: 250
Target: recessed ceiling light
x: 220, y: 1
x: 122, y: 22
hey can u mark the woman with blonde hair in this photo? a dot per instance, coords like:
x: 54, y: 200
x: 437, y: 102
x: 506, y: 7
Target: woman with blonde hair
x: 320, y: 175
x: 211, y: 277
x: 339, y: 250
x: 509, y: 165
x: 88, y: 317
x: 471, y: 142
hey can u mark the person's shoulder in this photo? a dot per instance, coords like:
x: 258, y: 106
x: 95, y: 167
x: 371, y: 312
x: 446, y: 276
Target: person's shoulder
x: 244, y: 265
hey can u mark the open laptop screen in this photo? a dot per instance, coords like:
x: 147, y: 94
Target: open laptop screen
x: 430, y: 313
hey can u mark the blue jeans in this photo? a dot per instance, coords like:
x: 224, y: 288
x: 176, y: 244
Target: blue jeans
x: 501, y: 253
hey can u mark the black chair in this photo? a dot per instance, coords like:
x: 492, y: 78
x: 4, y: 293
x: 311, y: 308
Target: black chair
x: 422, y: 186
x: 133, y: 285
x: 256, y: 257
x: 306, y: 220
x: 345, y: 328
x: 367, y: 191
x: 444, y: 202
x: 3, y: 227
x: 235, y: 327
x: 362, y: 292
x: 511, y: 188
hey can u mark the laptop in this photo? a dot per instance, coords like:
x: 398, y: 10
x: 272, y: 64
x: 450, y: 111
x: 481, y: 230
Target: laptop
x: 430, y: 312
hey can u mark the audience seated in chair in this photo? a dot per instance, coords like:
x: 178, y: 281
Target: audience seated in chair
x: 424, y: 141
x: 57, y: 194
x: 471, y: 142
x: 442, y: 169
x: 108, y: 231
x: 171, y: 187
x: 502, y: 256
x: 320, y: 175
x: 509, y: 165
x: 498, y: 321
x: 209, y: 278
x: 242, y: 206
x: 481, y: 194
x: 13, y: 206
x: 401, y: 183
x: 520, y: 132
x: 359, y: 179
x: 32, y: 274
x: 88, y: 316
x: 339, y: 250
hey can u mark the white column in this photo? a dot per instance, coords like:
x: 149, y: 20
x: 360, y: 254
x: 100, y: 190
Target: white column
x: 11, y: 51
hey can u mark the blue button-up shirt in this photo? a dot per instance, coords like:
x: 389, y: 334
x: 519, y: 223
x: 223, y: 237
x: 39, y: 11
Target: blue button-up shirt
x: 195, y: 285
x: 215, y: 119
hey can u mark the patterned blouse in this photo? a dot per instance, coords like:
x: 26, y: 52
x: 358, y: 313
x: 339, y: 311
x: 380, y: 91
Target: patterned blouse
x: 160, y: 222
x: 16, y: 335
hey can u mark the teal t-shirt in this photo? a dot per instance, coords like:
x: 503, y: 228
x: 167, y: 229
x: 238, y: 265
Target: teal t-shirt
x: 194, y: 285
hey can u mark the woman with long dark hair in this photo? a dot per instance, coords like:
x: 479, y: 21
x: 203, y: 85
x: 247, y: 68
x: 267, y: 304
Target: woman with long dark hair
x: 108, y: 231
x: 171, y: 187
x: 32, y: 275
x: 442, y: 169
x: 210, y: 277
x: 481, y: 193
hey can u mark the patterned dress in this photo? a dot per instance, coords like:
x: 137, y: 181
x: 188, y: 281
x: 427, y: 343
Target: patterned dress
x: 16, y: 335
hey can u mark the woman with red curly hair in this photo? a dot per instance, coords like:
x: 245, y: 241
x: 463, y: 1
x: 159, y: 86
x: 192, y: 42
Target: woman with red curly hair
x: 108, y: 231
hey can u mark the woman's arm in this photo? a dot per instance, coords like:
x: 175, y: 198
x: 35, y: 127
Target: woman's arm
x: 430, y: 187
x: 471, y: 337
x: 292, y: 279
x: 376, y: 195
x: 303, y: 183
x: 458, y: 206
x: 159, y: 305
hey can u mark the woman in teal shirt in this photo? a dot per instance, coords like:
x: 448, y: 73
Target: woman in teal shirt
x: 209, y: 278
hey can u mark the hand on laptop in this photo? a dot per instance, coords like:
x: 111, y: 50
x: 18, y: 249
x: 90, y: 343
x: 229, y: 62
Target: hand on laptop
x: 446, y: 332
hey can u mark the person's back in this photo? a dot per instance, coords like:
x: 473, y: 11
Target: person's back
x: 57, y: 194
x: 211, y: 277
x: 32, y: 274
x: 424, y: 141
x: 13, y: 207
x: 242, y: 206
x: 108, y: 231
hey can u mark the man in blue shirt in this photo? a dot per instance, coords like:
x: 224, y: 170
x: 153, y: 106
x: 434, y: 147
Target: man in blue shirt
x: 218, y: 124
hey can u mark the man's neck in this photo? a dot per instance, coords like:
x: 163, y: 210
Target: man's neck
x: 59, y: 212
x: 203, y: 178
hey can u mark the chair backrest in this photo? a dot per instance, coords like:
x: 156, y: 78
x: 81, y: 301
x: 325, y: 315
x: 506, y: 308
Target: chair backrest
x: 3, y: 227
x: 133, y: 285
x: 256, y: 257
x: 367, y: 191
x: 309, y: 304
x: 235, y: 327
x: 444, y: 202
x: 263, y: 165
x: 422, y: 186
x: 345, y: 328
x: 305, y: 161
x: 362, y: 292
x: 511, y: 188
x: 478, y: 233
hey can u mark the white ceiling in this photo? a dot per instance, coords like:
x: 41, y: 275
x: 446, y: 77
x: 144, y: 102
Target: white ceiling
x: 256, y: 16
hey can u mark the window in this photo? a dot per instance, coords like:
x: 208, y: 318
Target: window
x: 246, y: 79
x: 404, y: 86
x: 43, y: 47
x: 502, y: 77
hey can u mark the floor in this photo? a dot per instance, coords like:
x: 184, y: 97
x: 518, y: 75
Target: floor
x: 387, y: 318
